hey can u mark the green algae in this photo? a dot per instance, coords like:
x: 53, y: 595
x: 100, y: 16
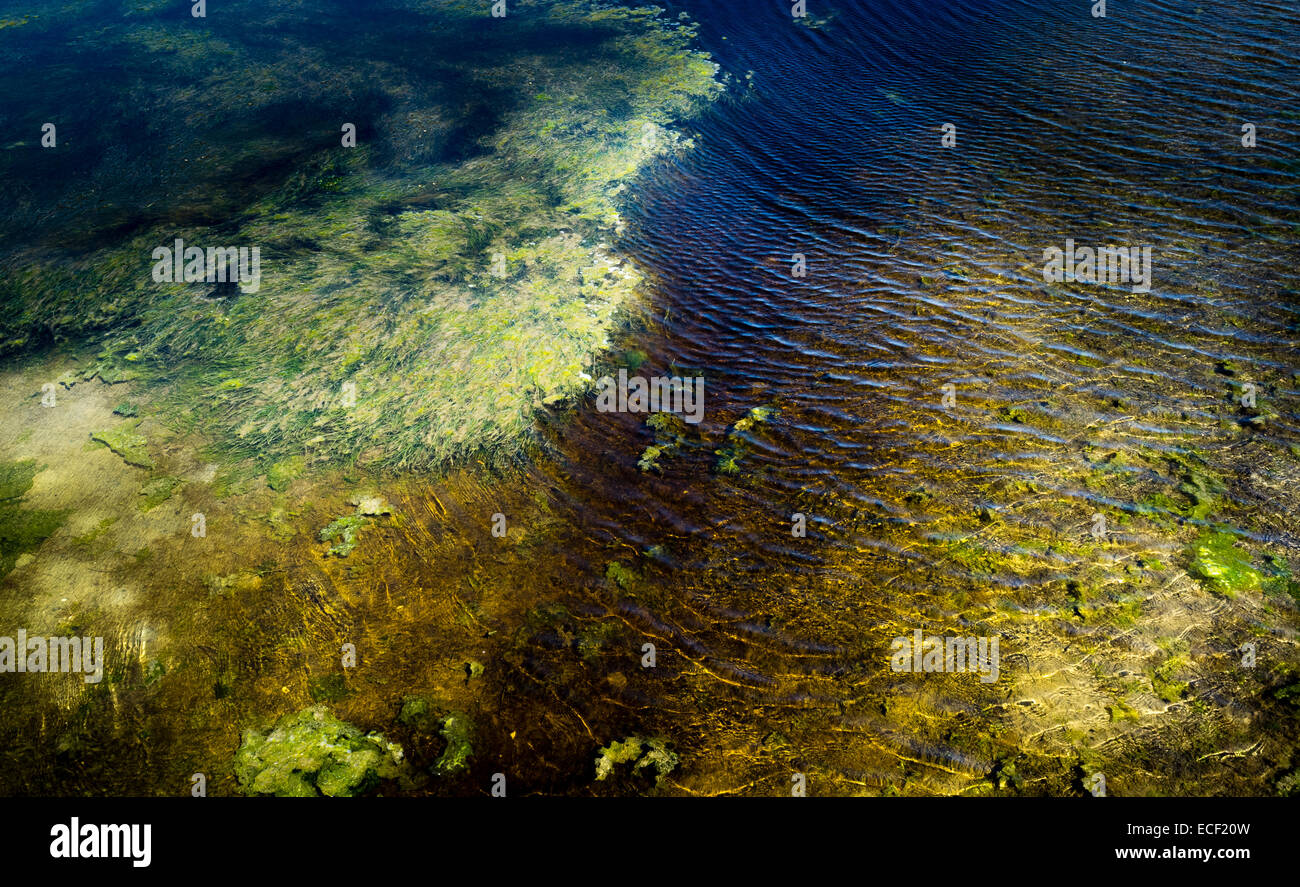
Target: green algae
x: 756, y: 416
x: 614, y: 754
x: 1203, y: 489
x: 371, y: 506
x: 416, y: 318
x: 16, y: 479
x: 232, y: 585
x: 649, y: 460
x: 1279, y: 578
x: 670, y: 437
x: 728, y: 460
x: 329, y: 688
x: 458, y: 731
x: 1221, y: 565
x: 158, y: 491
x: 155, y: 672
x: 415, y: 711
x: 284, y: 472
x: 621, y: 576
x: 426, y: 715
x: 649, y: 757
x: 92, y: 538
x: 113, y: 375
x: 1164, y: 675
x: 730, y: 456
x: 1121, y: 711
x: 126, y: 442
x: 22, y: 530
x: 592, y: 641
x: 1095, y: 591
x: 313, y: 753
x: 345, y: 530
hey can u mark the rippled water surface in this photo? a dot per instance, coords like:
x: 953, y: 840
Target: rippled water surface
x: 975, y: 451
x: 924, y: 270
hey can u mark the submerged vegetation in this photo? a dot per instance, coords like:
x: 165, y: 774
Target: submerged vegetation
x: 648, y: 757
x: 1222, y: 566
x: 313, y: 753
x: 423, y: 293
x: 127, y: 443
x: 21, y: 529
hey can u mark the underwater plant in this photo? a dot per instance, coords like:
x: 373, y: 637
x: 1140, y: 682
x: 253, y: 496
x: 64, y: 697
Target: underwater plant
x: 313, y: 753
x: 420, y: 295
x: 21, y: 529
x: 650, y: 757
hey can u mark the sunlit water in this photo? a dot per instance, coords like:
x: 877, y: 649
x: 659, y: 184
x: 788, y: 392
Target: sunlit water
x: 947, y: 422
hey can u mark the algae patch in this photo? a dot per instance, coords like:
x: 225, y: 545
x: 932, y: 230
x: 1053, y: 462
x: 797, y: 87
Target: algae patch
x: 1220, y: 565
x: 648, y: 757
x: 283, y: 473
x: 344, y: 530
x: 458, y: 730
x: 158, y: 491
x: 313, y: 753
x: 21, y: 529
x: 729, y: 457
x: 126, y: 442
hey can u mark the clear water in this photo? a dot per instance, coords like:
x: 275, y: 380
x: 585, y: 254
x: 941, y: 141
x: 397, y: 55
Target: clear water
x: 967, y: 510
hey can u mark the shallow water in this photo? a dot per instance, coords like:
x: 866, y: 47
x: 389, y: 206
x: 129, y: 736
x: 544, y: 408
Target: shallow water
x: 963, y: 511
x: 925, y: 269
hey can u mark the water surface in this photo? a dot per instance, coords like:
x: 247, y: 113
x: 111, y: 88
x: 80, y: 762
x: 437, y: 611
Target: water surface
x: 968, y: 510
